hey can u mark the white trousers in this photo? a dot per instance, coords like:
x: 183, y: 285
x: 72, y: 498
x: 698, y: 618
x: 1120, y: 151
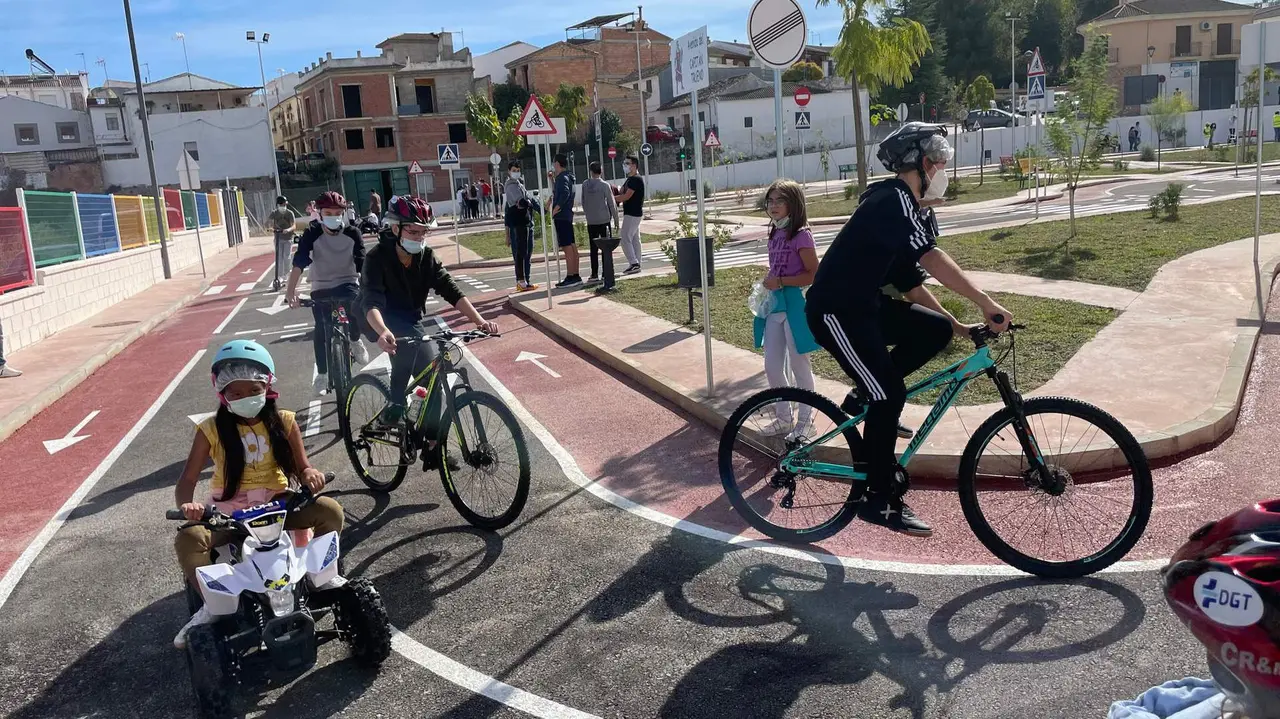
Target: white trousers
x: 780, y: 355
x: 631, y: 239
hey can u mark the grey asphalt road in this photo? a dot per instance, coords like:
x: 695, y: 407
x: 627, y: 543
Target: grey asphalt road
x: 592, y: 608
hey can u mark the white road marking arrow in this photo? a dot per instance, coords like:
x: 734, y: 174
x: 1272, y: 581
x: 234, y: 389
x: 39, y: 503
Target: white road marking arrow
x: 280, y: 305
x: 198, y: 418
x: 537, y: 360
x: 54, y: 446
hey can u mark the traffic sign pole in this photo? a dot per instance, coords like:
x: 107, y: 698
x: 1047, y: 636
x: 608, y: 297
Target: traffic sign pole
x: 457, y: 210
x: 702, y: 244
x: 777, y: 117
x: 542, y: 216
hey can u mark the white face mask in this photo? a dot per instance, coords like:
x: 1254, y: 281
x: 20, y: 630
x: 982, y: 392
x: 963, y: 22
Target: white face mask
x: 783, y: 223
x: 515, y: 174
x: 626, y: 167
x: 412, y: 247
x: 248, y: 407
x: 332, y: 223
x: 937, y: 185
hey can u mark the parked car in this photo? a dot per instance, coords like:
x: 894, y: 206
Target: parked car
x: 660, y: 133
x: 990, y: 118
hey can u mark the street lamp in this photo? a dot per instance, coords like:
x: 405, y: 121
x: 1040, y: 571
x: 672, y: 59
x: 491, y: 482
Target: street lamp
x: 266, y: 37
x: 1013, y: 59
x: 185, y: 60
x: 637, y: 29
x: 1151, y: 51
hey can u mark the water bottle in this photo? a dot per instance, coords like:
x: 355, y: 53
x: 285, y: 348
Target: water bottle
x: 416, y: 397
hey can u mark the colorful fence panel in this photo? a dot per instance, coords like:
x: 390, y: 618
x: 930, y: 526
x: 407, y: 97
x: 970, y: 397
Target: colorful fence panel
x: 149, y: 216
x: 17, y: 268
x: 173, y: 210
x: 189, y: 210
x: 130, y: 223
x: 54, y: 235
x: 98, y: 224
x: 215, y: 209
x: 202, y: 209
x: 240, y: 201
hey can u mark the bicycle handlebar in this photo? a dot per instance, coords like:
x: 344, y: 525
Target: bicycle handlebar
x: 446, y: 336
x: 213, y: 515
x: 983, y: 334
x: 312, y: 302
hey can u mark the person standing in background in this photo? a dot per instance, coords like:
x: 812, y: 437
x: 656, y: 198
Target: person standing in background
x: 460, y: 199
x: 375, y: 204
x: 473, y: 200
x: 282, y: 222
x: 6, y: 371
x: 561, y: 205
x: 518, y: 209
x: 631, y: 197
x: 486, y: 198
x: 601, y: 212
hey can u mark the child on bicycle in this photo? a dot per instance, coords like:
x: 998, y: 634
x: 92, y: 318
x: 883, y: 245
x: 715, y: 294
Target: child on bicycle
x: 266, y: 452
x: 784, y: 333
x: 398, y: 276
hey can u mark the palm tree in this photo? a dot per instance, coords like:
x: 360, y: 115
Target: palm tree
x: 873, y: 56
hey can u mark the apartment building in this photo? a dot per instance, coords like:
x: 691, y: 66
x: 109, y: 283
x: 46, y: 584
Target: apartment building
x: 51, y: 146
x: 1158, y: 47
x: 377, y: 115
x: 67, y: 90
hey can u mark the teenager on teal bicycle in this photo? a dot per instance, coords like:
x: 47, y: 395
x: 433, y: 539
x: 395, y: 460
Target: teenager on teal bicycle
x: 889, y: 241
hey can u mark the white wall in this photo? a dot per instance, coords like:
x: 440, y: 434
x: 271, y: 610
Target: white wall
x: 830, y: 114
x: 492, y: 64
x: 232, y: 143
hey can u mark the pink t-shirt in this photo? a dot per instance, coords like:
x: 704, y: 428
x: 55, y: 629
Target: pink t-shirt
x: 784, y: 255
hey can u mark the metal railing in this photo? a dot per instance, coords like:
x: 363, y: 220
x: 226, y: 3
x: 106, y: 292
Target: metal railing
x: 1223, y: 49
x: 1193, y: 49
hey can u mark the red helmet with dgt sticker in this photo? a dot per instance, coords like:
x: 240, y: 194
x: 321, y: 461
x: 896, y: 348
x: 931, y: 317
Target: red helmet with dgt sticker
x: 1224, y: 585
x: 331, y: 201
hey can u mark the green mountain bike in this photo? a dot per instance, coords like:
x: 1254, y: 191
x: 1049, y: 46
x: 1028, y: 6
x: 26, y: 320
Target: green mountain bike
x: 1070, y: 480
x: 479, y: 449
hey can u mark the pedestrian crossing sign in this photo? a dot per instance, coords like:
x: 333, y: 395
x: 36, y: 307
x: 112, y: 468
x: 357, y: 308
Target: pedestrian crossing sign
x: 448, y: 155
x: 802, y: 120
x: 1035, y: 87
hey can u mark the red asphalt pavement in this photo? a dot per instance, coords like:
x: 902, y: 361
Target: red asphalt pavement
x: 34, y: 484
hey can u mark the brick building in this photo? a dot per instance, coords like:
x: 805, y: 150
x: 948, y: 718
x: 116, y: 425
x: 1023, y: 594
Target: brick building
x: 598, y: 59
x: 376, y: 115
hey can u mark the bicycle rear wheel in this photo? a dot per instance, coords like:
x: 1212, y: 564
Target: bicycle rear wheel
x: 781, y: 505
x: 490, y: 485
x: 377, y: 455
x: 1088, y: 510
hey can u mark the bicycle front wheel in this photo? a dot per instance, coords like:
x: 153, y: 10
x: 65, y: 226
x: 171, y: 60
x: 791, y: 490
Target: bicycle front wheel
x: 339, y: 364
x: 786, y: 506
x: 489, y: 481
x: 1082, y: 514
x: 377, y: 455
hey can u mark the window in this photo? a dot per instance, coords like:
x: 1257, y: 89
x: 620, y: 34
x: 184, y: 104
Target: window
x: 426, y: 184
x: 424, y: 95
x: 702, y: 118
x: 113, y: 123
x: 648, y: 85
x: 324, y: 109
x: 747, y: 122
x: 27, y: 134
x: 306, y: 112
x: 384, y: 137
x: 191, y: 148
x: 1182, y: 41
x: 47, y: 98
x: 351, y: 101
x: 671, y: 121
x: 1224, y: 39
x: 355, y: 139
x: 330, y: 143
x: 457, y: 132
x: 69, y: 132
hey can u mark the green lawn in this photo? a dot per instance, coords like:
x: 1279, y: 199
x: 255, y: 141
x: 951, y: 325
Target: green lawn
x: 1121, y: 250
x: 1057, y: 328
x: 1224, y: 153
x: 493, y: 244
x: 968, y: 190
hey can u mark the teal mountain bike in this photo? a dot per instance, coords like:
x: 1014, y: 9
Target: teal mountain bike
x: 1052, y: 486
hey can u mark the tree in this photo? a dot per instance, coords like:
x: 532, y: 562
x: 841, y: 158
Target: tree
x: 1082, y: 115
x: 930, y: 77
x: 873, y: 56
x: 568, y: 102
x: 484, y: 126
x: 1051, y: 26
x: 981, y: 93
x: 611, y: 127
x: 803, y: 71
x: 1168, y: 119
x: 508, y: 95
x: 627, y: 142
x: 1249, y: 99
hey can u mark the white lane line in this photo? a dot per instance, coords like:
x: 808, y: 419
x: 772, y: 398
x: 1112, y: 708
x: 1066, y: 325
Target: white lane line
x: 247, y: 287
x: 247, y: 332
x: 28, y: 556
x: 288, y: 336
x: 227, y: 320
x: 571, y: 470
x: 468, y: 678
x: 266, y: 272
x: 313, y: 418
x: 215, y: 290
x: 296, y: 326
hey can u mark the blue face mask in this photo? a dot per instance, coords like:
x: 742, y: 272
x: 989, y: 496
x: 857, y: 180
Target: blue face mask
x: 412, y: 247
x: 332, y: 223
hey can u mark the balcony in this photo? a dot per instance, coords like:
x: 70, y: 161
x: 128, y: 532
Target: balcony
x: 1193, y: 49
x: 1226, y: 49
x: 1113, y: 55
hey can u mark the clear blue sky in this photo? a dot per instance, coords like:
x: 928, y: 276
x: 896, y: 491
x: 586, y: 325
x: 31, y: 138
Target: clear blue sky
x: 302, y: 31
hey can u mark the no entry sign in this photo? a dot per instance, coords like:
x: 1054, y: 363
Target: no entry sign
x: 802, y: 96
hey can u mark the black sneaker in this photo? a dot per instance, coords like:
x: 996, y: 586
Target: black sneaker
x: 631, y: 270
x: 893, y: 513
x: 606, y: 290
x: 854, y: 405
x: 570, y: 281
x: 592, y: 280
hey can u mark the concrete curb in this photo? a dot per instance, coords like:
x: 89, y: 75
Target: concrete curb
x: 12, y: 422
x: 1208, y: 428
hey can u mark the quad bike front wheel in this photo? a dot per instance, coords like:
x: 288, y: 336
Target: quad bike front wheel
x: 362, y: 621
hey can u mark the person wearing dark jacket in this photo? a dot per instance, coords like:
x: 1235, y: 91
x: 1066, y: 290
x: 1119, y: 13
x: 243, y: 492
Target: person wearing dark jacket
x: 398, y: 276
x: 560, y: 205
x: 334, y: 250
x: 518, y: 209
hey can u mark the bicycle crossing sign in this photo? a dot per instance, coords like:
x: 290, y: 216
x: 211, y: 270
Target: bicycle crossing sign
x: 802, y: 120
x: 448, y: 155
x: 534, y: 120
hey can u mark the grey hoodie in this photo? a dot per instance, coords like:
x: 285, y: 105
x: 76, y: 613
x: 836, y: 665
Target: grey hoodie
x: 598, y: 204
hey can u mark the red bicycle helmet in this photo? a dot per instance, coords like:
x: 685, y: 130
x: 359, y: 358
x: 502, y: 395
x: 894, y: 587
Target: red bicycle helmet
x: 409, y: 210
x: 1224, y: 585
x: 331, y: 201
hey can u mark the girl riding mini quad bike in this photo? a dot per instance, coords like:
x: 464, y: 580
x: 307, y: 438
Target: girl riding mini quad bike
x: 255, y: 594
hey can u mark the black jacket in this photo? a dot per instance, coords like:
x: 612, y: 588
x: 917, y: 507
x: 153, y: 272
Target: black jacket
x: 401, y: 292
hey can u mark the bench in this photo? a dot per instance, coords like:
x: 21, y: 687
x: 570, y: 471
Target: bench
x: 845, y: 170
x: 1006, y: 163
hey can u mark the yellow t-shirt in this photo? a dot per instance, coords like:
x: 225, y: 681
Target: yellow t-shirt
x: 260, y: 468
